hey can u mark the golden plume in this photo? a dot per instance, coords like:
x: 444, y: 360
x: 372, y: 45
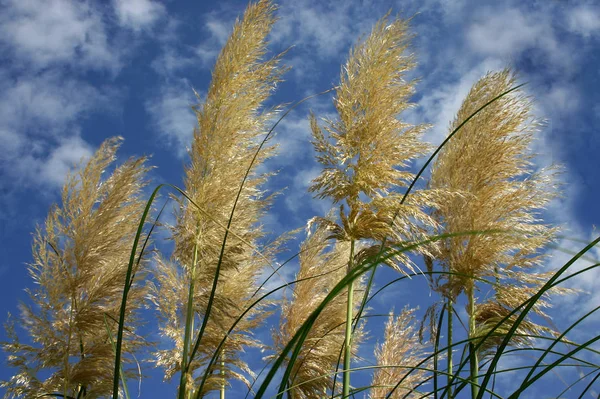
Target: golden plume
x: 322, y: 266
x: 81, y: 256
x: 400, y: 352
x: 231, y: 125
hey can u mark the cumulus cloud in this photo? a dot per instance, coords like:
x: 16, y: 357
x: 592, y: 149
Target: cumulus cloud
x: 38, y: 119
x: 46, y: 100
x: 506, y: 32
x: 584, y: 20
x: 59, y: 32
x: 509, y: 32
x: 43, y: 96
x: 325, y: 29
x: 219, y: 28
x: 138, y: 14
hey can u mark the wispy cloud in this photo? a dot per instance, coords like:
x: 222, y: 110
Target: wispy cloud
x: 38, y: 130
x: 70, y: 151
x: 171, y: 114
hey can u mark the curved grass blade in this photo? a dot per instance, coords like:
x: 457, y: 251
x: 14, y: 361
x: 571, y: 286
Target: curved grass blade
x: 256, y: 302
x: 128, y: 278
x: 548, y: 368
x: 581, y: 378
x: 556, y: 341
x: 435, y: 350
x: 112, y: 341
x: 589, y: 386
x: 300, y: 335
x: 528, y: 307
x: 464, y: 361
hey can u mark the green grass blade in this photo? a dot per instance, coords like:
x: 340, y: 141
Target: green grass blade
x: 112, y: 341
x: 591, y: 383
x: 528, y: 307
x: 556, y: 341
x: 436, y: 345
x: 256, y: 302
x: 127, y: 286
x: 528, y: 381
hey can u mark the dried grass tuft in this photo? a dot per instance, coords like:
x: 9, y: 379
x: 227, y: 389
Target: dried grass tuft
x: 489, y: 164
x: 80, y: 262
x: 231, y: 124
x: 323, y: 265
x: 399, y: 353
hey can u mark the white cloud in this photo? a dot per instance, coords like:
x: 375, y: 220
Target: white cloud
x: 505, y: 32
x: 63, y: 159
x: 60, y: 31
x: 38, y: 115
x: 172, y: 116
x: 293, y: 137
x: 45, y: 165
x: 170, y: 62
x: 508, y: 33
x: 282, y: 277
x: 326, y: 28
x: 47, y: 99
x: 138, y: 14
x: 584, y: 20
x: 219, y: 31
x: 175, y: 56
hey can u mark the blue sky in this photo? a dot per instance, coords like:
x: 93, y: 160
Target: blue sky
x: 73, y: 73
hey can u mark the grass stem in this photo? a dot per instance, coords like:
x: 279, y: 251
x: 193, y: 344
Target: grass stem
x: 348, y: 336
x: 473, y: 361
x: 189, y: 326
x: 450, y: 306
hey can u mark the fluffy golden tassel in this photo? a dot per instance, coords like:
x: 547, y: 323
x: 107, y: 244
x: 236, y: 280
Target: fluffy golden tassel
x: 231, y: 123
x: 322, y: 266
x: 488, y: 163
x: 80, y: 262
x: 366, y: 151
x: 400, y: 352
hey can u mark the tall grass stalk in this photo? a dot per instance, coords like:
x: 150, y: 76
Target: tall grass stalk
x: 450, y: 332
x: 365, y: 151
x: 473, y: 356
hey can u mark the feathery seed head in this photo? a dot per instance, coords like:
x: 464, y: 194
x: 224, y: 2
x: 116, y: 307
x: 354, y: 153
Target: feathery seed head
x: 231, y: 123
x: 322, y: 266
x: 80, y: 262
x: 370, y: 144
x: 366, y: 151
x: 400, y: 352
x: 489, y: 164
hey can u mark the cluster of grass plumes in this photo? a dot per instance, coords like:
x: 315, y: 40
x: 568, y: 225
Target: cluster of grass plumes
x: 399, y: 353
x: 477, y: 222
